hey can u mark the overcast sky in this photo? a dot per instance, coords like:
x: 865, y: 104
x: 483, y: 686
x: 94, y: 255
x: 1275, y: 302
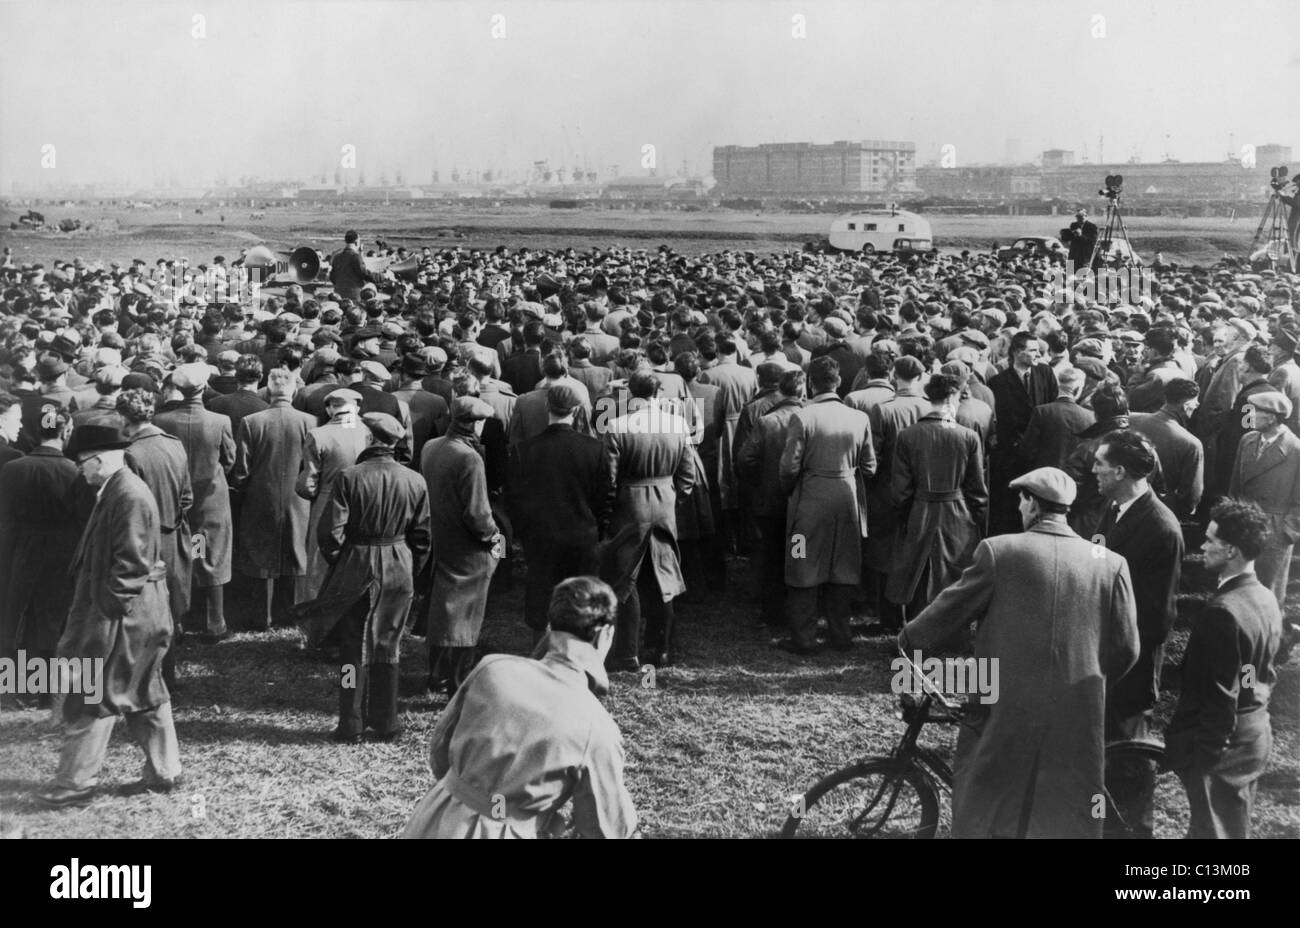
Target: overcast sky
x: 275, y: 88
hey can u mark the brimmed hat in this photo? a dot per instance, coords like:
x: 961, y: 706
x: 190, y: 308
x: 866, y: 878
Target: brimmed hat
x: 343, y: 396
x: 470, y: 409
x: 102, y: 434
x: 1271, y: 401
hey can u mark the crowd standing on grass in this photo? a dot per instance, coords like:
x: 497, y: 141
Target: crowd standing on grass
x: 855, y: 435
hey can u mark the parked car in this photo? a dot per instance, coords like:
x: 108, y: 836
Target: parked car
x: 1032, y: 246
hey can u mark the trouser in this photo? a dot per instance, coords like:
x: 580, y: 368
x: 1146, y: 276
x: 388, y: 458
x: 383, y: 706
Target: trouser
x: 449, y: 666
x: 693, y: 570
x: 1222, y: 798
x: 367, y: 693
x: 771, y: 531
x: 549, y: 562
x: 85, y: 745
x: 659, y: 616
x: 208, y: 609
x: 801, y: 610
x: 1273, y: 567
x: 1131, y: 782
x: 272, y: 599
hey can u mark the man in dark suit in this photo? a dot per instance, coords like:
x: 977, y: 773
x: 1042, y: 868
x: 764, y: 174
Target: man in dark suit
x: 1016, y: 392
x: 1053, y: 429
x: 1182, y: 458
x: 1140, y: 528
x: 560, y: 494
x: 1218, y: 740
x: 523, y: 370
x: 1080, y: 238
x: 348, y: 271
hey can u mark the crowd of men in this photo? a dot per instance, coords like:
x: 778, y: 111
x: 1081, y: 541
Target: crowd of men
x: 869, y: 435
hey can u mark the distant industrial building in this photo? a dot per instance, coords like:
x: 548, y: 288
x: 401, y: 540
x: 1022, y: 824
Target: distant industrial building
x: 803, y: 169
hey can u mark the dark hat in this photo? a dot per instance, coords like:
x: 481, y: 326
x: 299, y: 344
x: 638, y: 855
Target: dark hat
x: 101, y: 434
x: 413, y: 365
x: 366, y: 332
x: 908, y: 367
x: 384, y: 427
x: 561, y: 399
x: 137, y: 380
x: 51, y: 366
x: 770, y: 372
x: 1288, y: 335
x: 65, y: 347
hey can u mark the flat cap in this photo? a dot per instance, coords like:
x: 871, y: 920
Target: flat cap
x: 975, y: 338
x: 1271, y: 401
x: 1247, y: 330
x: 191, y: 377
x: 835, y: 327
x: 383, y: 426
x: 434, y: 356
x: 1049, y: 483
x: 342, y: 396
x: 470, y: 409
x: 374, y: 371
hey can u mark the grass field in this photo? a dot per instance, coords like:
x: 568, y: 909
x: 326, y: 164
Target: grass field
x: 718, y: 747
x: 122, y: 235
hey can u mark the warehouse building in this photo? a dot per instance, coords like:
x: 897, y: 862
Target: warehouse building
x: 802, y: 168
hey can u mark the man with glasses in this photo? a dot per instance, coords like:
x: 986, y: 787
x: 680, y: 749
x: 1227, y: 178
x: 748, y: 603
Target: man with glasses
x: 120, y: 617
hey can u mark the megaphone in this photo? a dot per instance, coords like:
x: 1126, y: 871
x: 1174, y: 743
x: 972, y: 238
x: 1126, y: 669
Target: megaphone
x: 305, y: 263
x: 407, y: 270
x: 302, y: 264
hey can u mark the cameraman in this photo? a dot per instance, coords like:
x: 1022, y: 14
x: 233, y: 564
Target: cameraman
x: 1081, y: 238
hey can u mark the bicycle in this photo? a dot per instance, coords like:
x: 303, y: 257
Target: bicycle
x: 897, y: 796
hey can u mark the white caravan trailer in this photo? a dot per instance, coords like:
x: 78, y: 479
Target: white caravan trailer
x: 879, y: 230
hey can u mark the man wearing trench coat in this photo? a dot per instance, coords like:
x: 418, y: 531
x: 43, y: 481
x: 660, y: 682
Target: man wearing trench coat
x: 938, y: 489
x: 466, y: 543
x: 118, y: 614
x: 210, y: 450
x: 273, y: 539
x: 1057, y: 613
x: 374, y: 533
x: 827, y: 459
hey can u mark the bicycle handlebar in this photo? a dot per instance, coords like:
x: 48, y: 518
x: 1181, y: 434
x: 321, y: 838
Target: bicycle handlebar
x: 928, y: 688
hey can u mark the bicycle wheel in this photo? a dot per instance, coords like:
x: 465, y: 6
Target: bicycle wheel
x: 1164, y: 793
x: 875, y: 798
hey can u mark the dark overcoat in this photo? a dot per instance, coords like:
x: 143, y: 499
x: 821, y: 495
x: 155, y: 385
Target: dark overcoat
x: 374, y: 533
x: 42, y: 502
x: 462, y: 527
x: 1182, y: 459
x: 938, y: 489
x: 159, y: 460
x: 268, y: 456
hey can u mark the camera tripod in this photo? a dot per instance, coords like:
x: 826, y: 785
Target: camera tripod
x: 1114, y: 221
x: 1276, y: 247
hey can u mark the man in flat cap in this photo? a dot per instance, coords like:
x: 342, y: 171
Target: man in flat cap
x: 210, y: 452
x: 466, y: 543
x: 1057, y: 614
x: 1267, y: 472
x: 328, y: 450
x: 374, y: 533
x: 1285, y: 376
x: 118, y: 615
x: 560, y: 498
x: 1181, y: 455
x: 1220, y: 382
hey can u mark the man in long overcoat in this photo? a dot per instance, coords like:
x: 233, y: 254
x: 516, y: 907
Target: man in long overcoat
x: 888, y: 419
x: 328, y: 450
x: 737, y: 386
x: 42, y: 507
x: 938, y: 489
x: 467, y: 544
x: 759, y: 465
x: 160, y: 461
x: 651, y: 465
x: 1267, y: 473
x: 826, y: 462
x: 268, y: 456
x: 374, y: 533
x: 1057, y: 614
x: 119, y: 615
x: 210, y: 452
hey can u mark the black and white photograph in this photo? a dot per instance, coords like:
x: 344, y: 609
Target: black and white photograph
x: 651, y: 419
